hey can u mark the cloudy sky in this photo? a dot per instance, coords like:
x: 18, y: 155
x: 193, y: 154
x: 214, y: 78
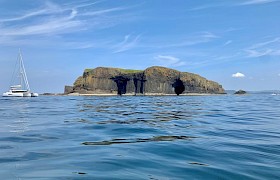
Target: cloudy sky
x: 233, y: 42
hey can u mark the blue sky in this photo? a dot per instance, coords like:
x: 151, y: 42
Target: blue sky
x: 233, y: 42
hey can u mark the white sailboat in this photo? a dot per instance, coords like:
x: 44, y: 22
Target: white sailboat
x: 21, y: 89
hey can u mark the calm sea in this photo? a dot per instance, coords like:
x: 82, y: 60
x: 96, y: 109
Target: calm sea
x: 164, y: 137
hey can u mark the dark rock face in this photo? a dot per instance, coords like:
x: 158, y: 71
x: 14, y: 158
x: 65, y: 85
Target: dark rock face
x: 240, y: 92
x: 153, y: 80
x: 68, y: 89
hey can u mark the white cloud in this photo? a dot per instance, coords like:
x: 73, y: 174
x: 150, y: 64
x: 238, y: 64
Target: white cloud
x: 52, y: 25
x: 127, y: 44
x: 202, y: 7
x: 263, y: 44
x: 222, y: 4
x: 238, y: 75
x: 266, y: 48
x: 262, y: 52
x: 227, y: 43
x: 190, y: 40
x: 169, y: 61
x: 218, y: 4
x: 253, y: 2
x: 48, y: 9
x: 100, y: 12
x: 51, y: 20
x: 258, y: 53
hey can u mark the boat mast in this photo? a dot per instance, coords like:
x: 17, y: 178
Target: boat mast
x: 23, y: 73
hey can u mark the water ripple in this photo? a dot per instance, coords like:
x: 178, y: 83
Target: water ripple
x: 140, y: 140
x: 161, y: 137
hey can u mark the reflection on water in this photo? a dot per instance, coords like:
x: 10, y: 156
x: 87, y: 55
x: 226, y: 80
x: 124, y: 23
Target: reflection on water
x: 21, y: 111
x: 208, y: 137
x: 139, y: 140
x: 197, y: 163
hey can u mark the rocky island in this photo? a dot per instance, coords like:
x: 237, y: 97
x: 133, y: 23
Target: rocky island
x: 240, y: 92
x: 151, y: 81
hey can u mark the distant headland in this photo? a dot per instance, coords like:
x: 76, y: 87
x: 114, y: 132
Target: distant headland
x: 151, y: 81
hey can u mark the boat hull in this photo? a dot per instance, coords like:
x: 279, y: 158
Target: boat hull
x: 19, y: 94
x: 34, y: 94
x: 27, y: 94
x: 9, y: 94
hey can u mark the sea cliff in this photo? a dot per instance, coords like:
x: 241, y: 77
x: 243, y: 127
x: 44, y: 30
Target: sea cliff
x: 151, y: 81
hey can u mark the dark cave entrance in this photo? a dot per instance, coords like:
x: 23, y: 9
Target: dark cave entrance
x: 139, y: 85
x: 142, y: 86
x: 135, y: 80
x: 179, y: 86
x: 121, y: 84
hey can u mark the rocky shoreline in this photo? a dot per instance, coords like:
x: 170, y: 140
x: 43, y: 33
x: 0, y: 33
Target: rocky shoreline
x: 148, y: 94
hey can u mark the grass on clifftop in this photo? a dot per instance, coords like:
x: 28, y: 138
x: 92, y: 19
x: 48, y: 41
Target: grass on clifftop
x: 123, y: 71
x: 128, y: 71
x: 87, y: 70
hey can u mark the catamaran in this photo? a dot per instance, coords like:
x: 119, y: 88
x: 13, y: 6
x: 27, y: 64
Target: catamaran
x: 22, y: 89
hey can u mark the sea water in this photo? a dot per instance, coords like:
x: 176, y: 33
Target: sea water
x: 140, y: 137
